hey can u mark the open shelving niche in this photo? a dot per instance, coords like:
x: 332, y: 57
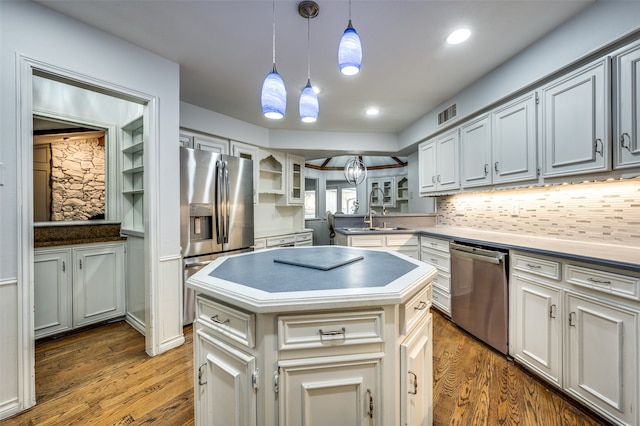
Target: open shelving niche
x: 133, y: 177
x: 272, y: 175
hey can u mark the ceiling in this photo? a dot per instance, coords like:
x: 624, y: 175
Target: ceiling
x: 224, y: 50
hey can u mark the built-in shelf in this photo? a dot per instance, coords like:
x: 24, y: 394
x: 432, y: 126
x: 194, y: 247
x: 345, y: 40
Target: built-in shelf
x: 133, y: 177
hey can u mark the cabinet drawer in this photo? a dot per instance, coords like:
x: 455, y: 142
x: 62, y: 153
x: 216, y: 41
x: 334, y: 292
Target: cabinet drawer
x: 286, y: 240
x: 325, y: 330
x: 401, y: 240
x: 412, y: 312
x: 440, y: 260
x: 442, y: 282
x: 232, y: 323
x: 300, y: 238
x: 607, y: 282
x: 373, y: 241
x: 442, y: 300
x: 435, y: 244
x: 535, y: 266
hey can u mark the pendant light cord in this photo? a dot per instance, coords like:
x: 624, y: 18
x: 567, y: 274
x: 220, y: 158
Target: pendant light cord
x: 308, y: 48
x: 274, y: 33
x: 349, y: 10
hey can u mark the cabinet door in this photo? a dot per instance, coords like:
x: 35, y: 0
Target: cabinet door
x: 627, y: 146
x: 416, y: 376
x: 249, y: 152
x: 52, y: 291
x: 447, y: 162
x: 537, y: 325
x: 602, y: 356
x: 185, y: 141
x: 475, y: 141
x: 427, y: 167
x: 211, y: 143
x: 99, y: 278
x: 575, y: 122
x: 225, y: 383
x: 295, y: 180
x: 336, y: 391
x: 514, y: 145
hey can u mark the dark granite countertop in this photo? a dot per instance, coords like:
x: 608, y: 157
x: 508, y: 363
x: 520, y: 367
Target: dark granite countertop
x: 63, y: 235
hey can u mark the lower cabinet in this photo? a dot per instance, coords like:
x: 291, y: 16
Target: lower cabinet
x: 316, y: 367
x: 583, y: 340
x: 435, y: 252
x: 406, y: 244
x: 77, y: 286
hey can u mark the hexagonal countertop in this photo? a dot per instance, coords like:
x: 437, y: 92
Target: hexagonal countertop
x: 319, y: 277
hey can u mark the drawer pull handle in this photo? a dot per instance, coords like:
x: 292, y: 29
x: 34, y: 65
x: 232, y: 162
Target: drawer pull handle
x: 421, y: 307
x: 594, y: 281
x: 434, y: 260
x: 552, y: 311
x: 534, y: 266
x: 572, y: 315
x: 334, y: 332
x: 415, y: 384
x: 217, y: 320
x: 370, y: 411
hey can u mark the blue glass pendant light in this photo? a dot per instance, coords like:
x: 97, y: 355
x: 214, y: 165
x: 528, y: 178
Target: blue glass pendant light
x: 308, y: 106
x: 350, y: 50
x: 274, y: 95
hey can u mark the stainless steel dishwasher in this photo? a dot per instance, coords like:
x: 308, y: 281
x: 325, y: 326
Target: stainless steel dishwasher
x: 479, y: 298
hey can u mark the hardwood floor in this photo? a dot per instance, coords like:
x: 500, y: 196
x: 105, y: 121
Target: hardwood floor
x: 103, y: 377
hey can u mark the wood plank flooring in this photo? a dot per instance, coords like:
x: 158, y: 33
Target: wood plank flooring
x: 103, y: 377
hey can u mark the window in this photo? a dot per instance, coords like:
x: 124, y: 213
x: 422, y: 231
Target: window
x: 310, y: 198
x: 341, y: 197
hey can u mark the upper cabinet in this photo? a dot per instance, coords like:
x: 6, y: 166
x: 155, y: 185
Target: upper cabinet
x: 627, y: 106
x: 248, y: 152
x: 439, y: 163
x: 514, y: 140
x: 382, y: 191
x: 576, y: 122
x: 204, y: 142
x: 294, y: 181
x: 272, y: 172
x: 475, y: 143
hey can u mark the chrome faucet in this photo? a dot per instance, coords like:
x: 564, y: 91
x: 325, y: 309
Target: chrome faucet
x: 370, y: 222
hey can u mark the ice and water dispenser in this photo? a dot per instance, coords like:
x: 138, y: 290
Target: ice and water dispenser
x: 200, y: 222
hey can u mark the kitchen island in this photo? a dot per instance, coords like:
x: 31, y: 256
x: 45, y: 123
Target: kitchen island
x: 313, y: 336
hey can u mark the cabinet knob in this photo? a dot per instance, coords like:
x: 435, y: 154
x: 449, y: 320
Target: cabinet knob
x: 622, y: 139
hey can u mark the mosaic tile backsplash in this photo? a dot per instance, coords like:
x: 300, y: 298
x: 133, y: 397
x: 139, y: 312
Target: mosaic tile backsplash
x: 594, y: 212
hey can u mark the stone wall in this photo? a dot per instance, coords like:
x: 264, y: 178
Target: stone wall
x: 77, y: 179
x: 595, y: 212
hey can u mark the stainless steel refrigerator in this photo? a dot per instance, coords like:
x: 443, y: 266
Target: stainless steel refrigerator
x: 216, y: 212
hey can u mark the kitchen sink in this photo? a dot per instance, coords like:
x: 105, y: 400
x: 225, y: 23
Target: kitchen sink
x: 377, y: 228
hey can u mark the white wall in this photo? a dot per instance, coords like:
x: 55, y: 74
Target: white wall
x: 35, y: 32
x: 597, y: 26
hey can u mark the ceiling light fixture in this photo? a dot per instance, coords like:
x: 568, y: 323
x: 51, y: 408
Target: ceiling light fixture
x: 459, y: 36
x: 308, y: 106
x: 274, y: 95
x: 350, y: 50
x: 372, y: 111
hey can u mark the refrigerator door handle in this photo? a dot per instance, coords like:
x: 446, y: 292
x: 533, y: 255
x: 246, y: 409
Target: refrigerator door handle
x: 227, y: 205
x: 218, y: 201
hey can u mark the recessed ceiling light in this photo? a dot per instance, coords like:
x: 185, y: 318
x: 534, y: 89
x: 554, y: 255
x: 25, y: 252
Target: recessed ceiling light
x: 459, y: 36
x: 372, y: 111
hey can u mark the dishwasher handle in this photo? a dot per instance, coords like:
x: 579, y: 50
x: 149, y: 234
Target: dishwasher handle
x: 482, y: 255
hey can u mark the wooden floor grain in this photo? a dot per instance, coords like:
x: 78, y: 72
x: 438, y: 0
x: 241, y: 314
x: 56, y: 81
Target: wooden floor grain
x: 103, y: 377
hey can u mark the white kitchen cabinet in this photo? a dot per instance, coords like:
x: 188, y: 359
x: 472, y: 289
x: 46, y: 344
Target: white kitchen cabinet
x: 626, y: 152
x: 402, y: 188
x: 537, y: 326
x: 52, y: 291
x: 416, y: 376
x: 435, y: 251
x: 602, y: 356
x: 438, y: 160
x: 272, y: 172
x: 576, y: 122
x: 337, y: 391
x: 514, y: 146
x: 294, y: 181
x: 248, y: 152
x: 475, y: 148
x: 77, y: 286
x: 407, y: 244
x: 211, y: 143
x: 224, y: 383
x: 98, y: 283
x: 382, y: 191
x: 576, y: 325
